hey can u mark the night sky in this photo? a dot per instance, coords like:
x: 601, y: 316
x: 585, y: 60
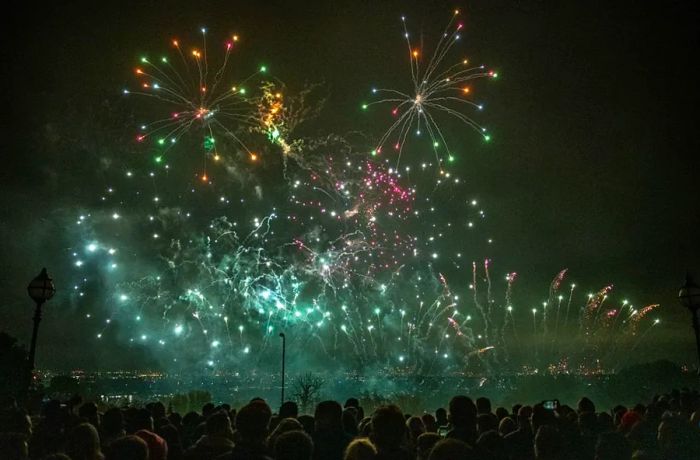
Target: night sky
x: 592, y: 166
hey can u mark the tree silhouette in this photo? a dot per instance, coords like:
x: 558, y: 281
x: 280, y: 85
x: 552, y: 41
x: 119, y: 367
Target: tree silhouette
x: 307, y: 390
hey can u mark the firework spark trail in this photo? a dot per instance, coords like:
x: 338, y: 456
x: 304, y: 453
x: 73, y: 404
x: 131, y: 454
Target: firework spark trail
x: 336, y: 265
x: 599, y: 314
x: 556, y: 323
x: 591, y: 309
x: 507, y: 313
x: 196, y: 102
x: 279, y: 115
x: 455, y: 326
x: 620, y: 320
x: 609, y: 317
x: 535, y: 347
x: 615, y: 323
x: 485, y: 318
x: 482, y: 350
x: 568, y: 304
x: 587, y: 316
x: 566, y: 317
x: 608, y: 321
x: 556, y: 284
x: 218, y: 276
x: 365, y: 194
x: 618, y: 333
x: 640, y: 339
x: 434, y: 312
x: 489, y: 299
x: 511, y: 277
x: 570, y: 351
x: 433, y: 90
x: 636, y: 318
x: 511, y: 280
x: 553, y: 289
x: 228, y: 333
x: 361, y: 331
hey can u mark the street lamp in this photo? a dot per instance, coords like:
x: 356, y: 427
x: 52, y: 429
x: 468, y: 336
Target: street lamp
x: 689, y: 296
x: 284, y: 349
x: 40, y: 289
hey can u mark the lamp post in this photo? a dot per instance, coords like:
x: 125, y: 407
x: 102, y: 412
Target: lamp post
x: 40, y: 289
x: 689, y: 296
x: 284, y: 349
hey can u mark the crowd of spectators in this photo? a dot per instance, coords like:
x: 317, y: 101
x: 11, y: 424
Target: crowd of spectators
x: 667, y: 428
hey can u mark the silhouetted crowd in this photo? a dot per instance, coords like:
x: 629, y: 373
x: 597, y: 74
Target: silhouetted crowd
x: 665, y: 429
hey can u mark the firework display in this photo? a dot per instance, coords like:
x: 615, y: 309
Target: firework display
x: 197, y: 94
x: 435, y: 88
x: 362, y: 262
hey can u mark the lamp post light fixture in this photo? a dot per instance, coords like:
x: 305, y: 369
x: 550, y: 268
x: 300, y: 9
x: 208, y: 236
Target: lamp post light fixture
x: 689, y: 296
x: 40, y: 289
x: 284, y: 350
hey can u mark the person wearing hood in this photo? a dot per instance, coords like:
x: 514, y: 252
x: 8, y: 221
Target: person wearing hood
x: 217, y: 440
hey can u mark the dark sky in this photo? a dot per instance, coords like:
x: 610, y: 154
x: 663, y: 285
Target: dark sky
x: 593, y: 165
